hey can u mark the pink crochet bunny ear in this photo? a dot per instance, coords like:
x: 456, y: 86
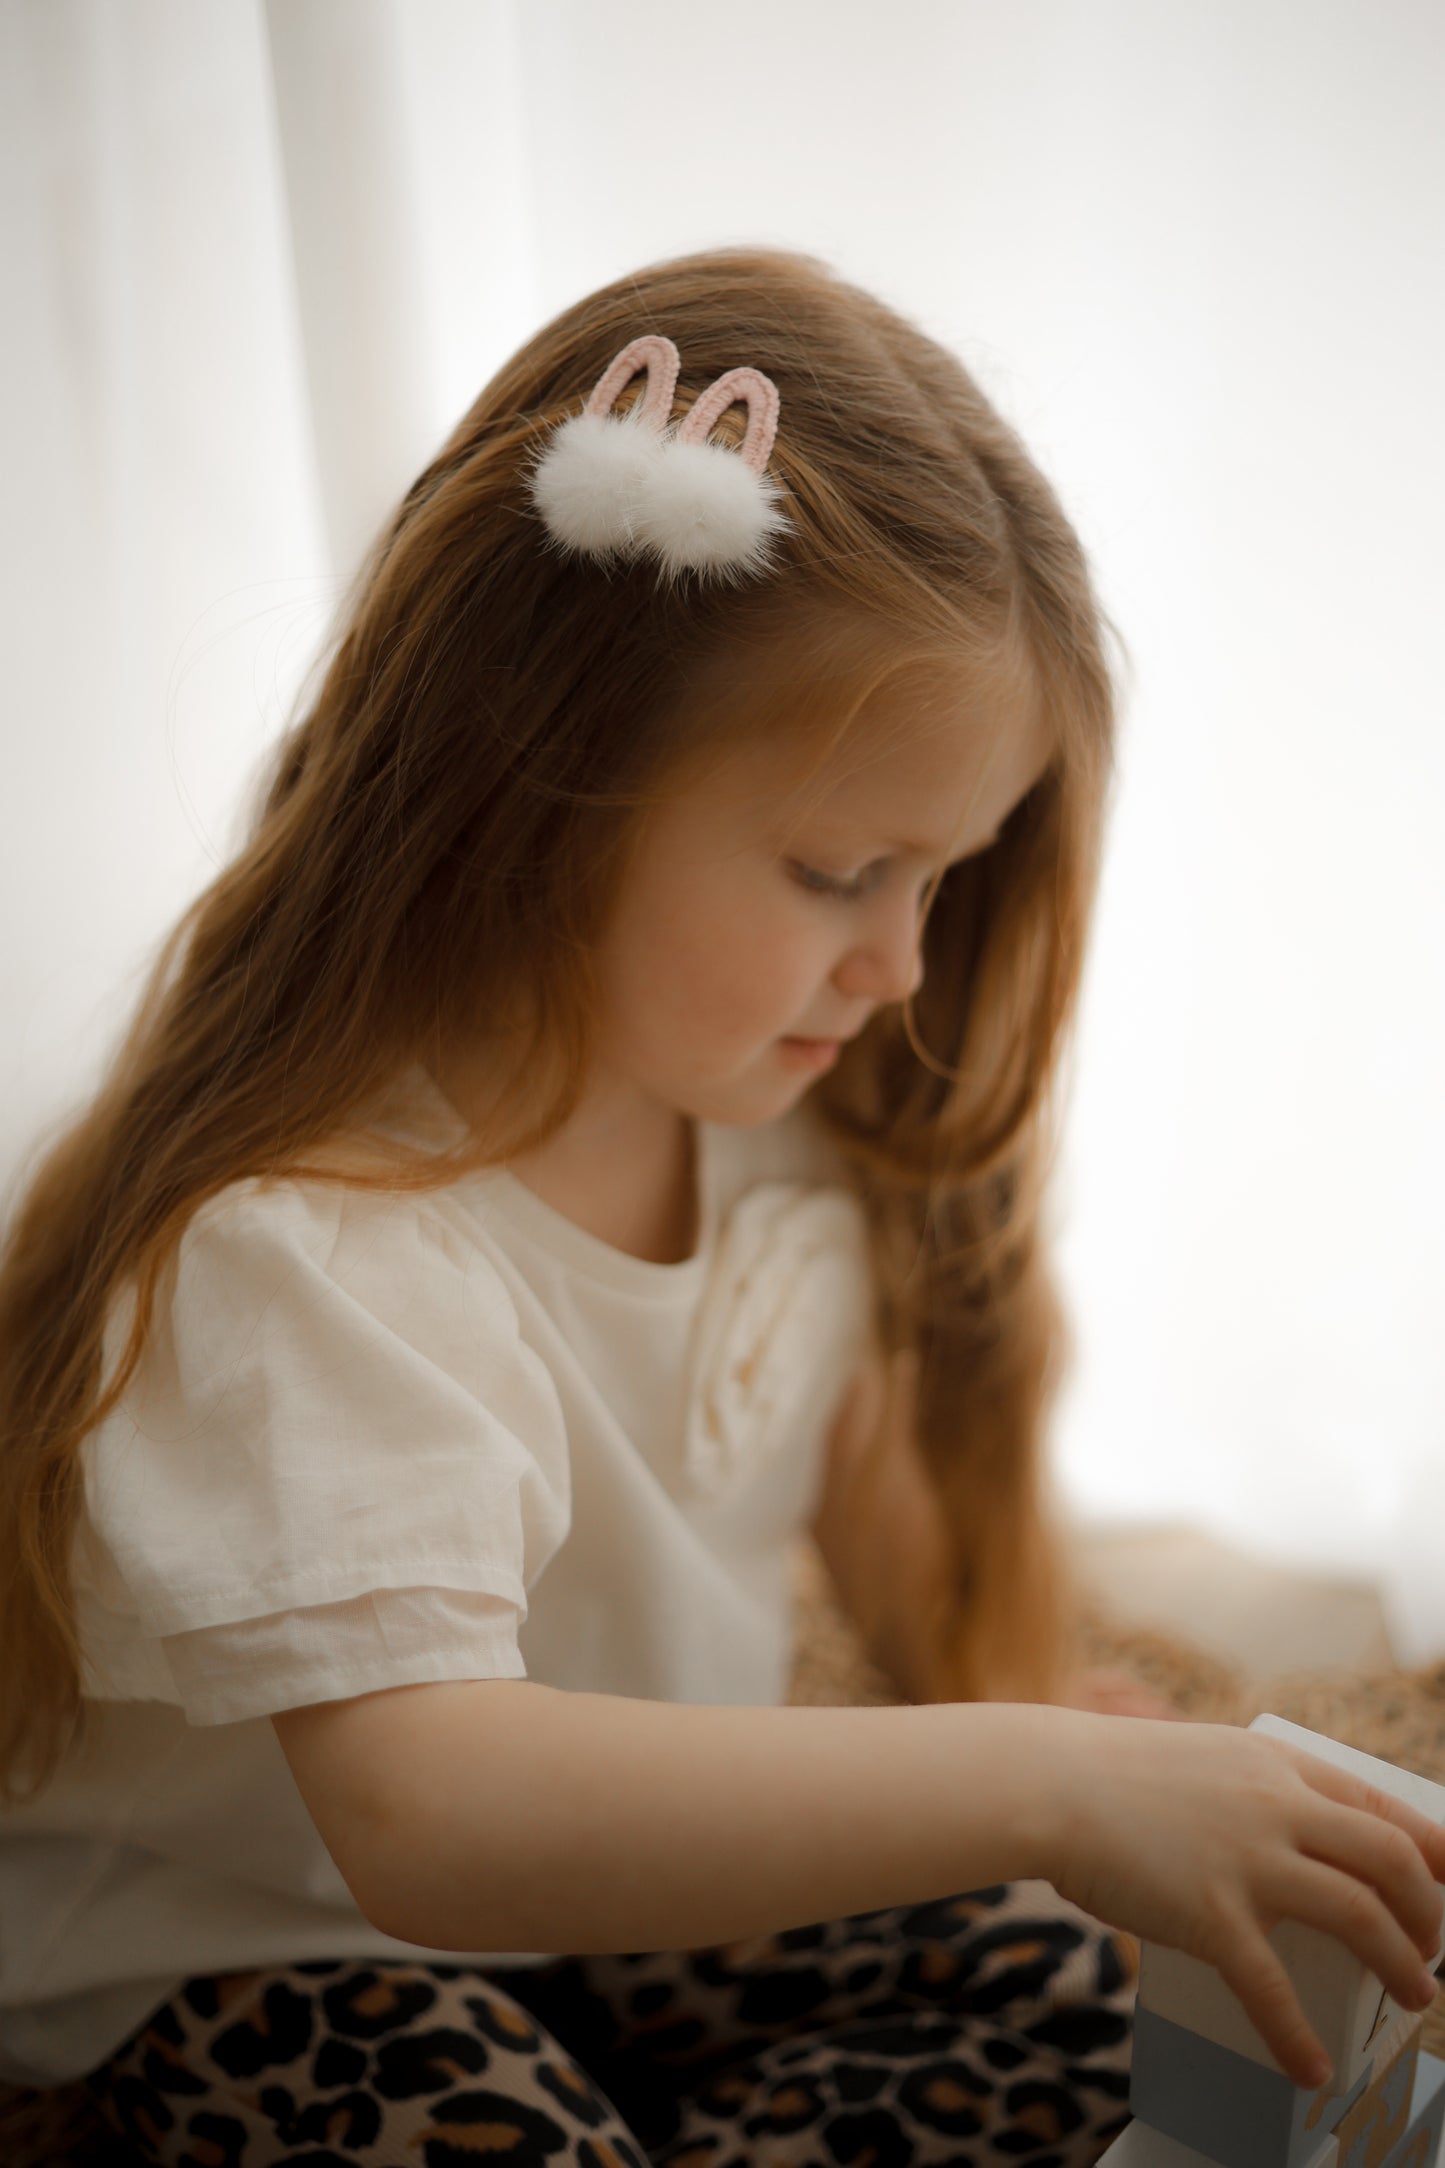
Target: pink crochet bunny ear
x: 761, y: 395
x: 660, y: 358
x: 588, y: 480
x: 705, y: 508
x: 611, y: 485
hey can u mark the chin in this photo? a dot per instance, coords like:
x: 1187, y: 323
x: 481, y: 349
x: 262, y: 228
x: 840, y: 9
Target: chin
x: 748, y: 1100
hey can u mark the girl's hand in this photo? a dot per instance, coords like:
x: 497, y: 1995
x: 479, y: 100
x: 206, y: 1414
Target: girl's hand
x: 1203, y: 1837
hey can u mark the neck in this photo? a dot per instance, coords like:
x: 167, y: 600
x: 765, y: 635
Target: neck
x: 622, y: 1166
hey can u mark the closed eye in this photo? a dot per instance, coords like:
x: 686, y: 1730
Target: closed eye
x: 853, y: 887
x: 828, y: 884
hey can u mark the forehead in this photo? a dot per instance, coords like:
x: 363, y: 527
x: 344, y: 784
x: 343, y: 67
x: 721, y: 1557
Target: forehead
x: 930, y: 761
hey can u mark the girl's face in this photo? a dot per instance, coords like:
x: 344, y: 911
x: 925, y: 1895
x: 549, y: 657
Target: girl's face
x: 743, y: 926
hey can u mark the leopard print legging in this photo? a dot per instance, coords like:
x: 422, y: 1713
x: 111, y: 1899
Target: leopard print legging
x: 990, y: 2027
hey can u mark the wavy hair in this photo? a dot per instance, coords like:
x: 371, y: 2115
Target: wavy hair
x: 440, y: 832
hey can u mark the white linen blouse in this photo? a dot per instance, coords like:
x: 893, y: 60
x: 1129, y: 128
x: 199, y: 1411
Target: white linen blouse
x: 376, y: 1440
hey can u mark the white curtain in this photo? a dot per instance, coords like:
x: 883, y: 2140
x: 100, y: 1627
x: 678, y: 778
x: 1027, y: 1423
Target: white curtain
x: 258, y: 258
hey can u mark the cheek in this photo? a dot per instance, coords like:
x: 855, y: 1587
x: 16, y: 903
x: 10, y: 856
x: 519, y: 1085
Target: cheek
x: 763, y: 963
x: 742, y: 960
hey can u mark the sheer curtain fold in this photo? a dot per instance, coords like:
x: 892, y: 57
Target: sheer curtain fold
x: 402, y: 136
x: 261, y: 255
x: 167, y: 544
x: 352, y: 219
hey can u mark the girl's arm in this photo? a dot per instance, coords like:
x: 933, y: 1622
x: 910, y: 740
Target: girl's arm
x: 501, y: 1814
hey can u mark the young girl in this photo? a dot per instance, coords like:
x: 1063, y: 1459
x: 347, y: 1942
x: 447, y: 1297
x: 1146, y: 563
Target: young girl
x: 594, y: 1133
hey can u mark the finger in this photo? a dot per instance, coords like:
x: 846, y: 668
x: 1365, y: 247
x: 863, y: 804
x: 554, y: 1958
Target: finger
x: 1355, y: 1914
x: 1427, y: 1836
x: 1352, y: 1791
x: 1383, y: 1853
x: 1247, y: 1964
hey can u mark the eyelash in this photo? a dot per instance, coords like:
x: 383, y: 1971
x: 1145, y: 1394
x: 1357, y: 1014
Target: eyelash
x: 824, y: 884
x: 836, y: 891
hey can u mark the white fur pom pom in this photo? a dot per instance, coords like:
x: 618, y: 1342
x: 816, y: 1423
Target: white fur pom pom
x: 704, y: 509
x: 590, y: 479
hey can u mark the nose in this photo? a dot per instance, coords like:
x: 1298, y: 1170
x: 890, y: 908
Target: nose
x: 885, y: 962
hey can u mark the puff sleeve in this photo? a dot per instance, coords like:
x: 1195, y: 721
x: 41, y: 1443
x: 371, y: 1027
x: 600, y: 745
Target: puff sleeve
x: 339, y: 1466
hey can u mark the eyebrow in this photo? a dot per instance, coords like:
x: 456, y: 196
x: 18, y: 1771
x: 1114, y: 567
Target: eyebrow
x: 921, y: 850
x: 913, y: 849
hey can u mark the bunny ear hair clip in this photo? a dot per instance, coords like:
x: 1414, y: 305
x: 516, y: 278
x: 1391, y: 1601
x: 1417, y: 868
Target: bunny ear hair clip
x: 621, y: 486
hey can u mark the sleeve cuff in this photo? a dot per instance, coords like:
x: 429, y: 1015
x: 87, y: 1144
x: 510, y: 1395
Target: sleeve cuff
x: 328, y: 1652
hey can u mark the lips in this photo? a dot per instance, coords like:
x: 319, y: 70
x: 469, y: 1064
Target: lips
x: 830, y: 1038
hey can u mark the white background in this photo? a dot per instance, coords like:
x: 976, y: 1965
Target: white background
x: 257, y: 259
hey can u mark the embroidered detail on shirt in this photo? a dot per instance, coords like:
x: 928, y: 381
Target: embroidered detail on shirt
x: 787, y: 1302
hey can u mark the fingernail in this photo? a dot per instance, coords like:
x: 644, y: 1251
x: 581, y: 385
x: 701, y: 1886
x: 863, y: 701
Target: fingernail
x: 1320, y: 2068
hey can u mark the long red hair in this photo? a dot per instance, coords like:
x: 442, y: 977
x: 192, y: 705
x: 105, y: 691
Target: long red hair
x: 440, y: 834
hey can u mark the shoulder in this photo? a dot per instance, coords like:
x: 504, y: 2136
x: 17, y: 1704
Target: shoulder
x: 285, y: 1208
x: 368, y: 1239
x: 306, y: 1317
x: 306, y: 1280
x: 333, y: 1398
